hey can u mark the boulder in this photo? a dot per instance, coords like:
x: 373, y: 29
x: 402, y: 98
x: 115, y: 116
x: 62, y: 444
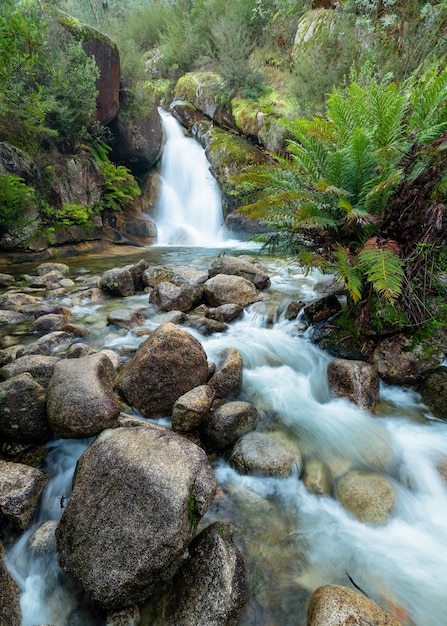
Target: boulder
x: 12, y: 318
x: 43, y: 540
x: 169, y: 297
x: 211, y: 586
x: 230, y: 312
x: 126, y: 318
x: 334, y: 605
x: 23, y: 415
x: 157, y: 274
x: 322, y: 309
x: 20, y: 489
x: 7, y: 280
x: 40, y: 367
x: 433, y: 390
x: 10, y: 611
x: 167, y: 365
x: 228, y: 422
x: 78, y: 350
x: 61, y: 268
x: 226, y: 289
x: 130, y: 616
x: 266, y: 454
x: 369, y: 496
x: 76, y: 180
x: 227, y: 379
x: 49, y: 323
x: 206, y: 326
x: 191, y: 408
x: 356, y: 380
x: 81, y: 401
x: 317, y: 478
x: 401, y: 361
x: 138, y: 139
x: 15, y: 301
x: 137, y: 498
x: 235, y: 266
x: 47, y: 345
x: 118, y: 282
x: 292, y: 309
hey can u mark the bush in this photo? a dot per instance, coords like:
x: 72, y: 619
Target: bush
x: 15, y: 198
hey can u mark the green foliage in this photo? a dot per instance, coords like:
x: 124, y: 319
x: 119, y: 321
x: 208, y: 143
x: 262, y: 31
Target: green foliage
x: 120, y: 187
x: 66, y: 215
x: 15, y: 198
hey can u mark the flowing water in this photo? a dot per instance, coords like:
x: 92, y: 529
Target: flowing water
x: 189, y: 209
x: 294, y: 540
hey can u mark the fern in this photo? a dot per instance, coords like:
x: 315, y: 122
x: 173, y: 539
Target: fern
x: 346, y: 269
x: 384, y: 270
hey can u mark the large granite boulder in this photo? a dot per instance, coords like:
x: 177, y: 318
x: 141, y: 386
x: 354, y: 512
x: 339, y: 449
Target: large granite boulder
x: 10, y: 611
x: 369, y: 496
x: 232, y: 265
x: 81, y: 400
x: 190, y: 409
x: 210, y: 588
x: 40, y: 367
x: 138, y: 139
x: 23, y: 414
x: 227, y: 379
x: 334, y: 605
x: 137, y: 498
x: 227, y: 289
x: 228, y: 422
x: 118, y: 282
x: 356, y: 380
x: 266, y: 454
x: 167, y: 365
x: 169, y: 297
x: 20, y: 489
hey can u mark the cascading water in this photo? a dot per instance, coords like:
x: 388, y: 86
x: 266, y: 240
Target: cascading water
x: 189, y: 210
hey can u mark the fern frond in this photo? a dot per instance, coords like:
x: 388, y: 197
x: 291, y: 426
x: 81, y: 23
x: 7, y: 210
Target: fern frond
x: 384, y: 270
x: 345, y: 269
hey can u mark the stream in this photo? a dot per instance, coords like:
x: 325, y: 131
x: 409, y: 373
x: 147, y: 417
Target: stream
x: 294, y: 540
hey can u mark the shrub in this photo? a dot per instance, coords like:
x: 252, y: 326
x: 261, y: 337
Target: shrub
x: 15, y: 198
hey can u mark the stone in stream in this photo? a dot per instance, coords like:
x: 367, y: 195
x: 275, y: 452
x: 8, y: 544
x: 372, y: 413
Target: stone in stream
x: 211, y: 585
x: 10, y: 611
x: 23, y: 414
x: 40, y: 367
x: 118, y: 282
x: 138, y: 495
x: 322, y: 309
x: 433, y: 390
x: 48, y: 344
x: 167, y: 365
x: 226, y: 289
x: 266, y: 454
x: 49, y: 323
x: 169, y: 297
x: 228, y: 422
x: 356, y: 380
x: 20, y: 489
x: 227, y: 379
x: 190, y: 409
x: 126, y: 318
x: 81, y: 400
x: 230, y: 312
x: 369, y: 496
x: 235, y: 266
x: 334, y: 605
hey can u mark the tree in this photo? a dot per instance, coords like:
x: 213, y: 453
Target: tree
x: 365, y: 174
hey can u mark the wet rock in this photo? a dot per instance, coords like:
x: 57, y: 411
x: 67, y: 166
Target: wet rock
x: 14, y: 301
x: 81, y: 401
x: 60, y: 268
x: 190, y: 409
x: 206, y: 326
x: 50, y: 280
x: 317, y: 478
x: 266, y: 455
x: 137, y: 270
x: 43, y: 540
x: 230, y: 312
x: 197, y: 277
x: 23, y: 415
x: 49, y: 323
x: 292, y: 309
x: 211, y: 586
x: 322, y: 309
x: 118, y: 282
x: 369, y: 496
x: 10, y: 318
x: 126, y: 318
x: 230, y: 265
x: 129, y: 616
x: 169, y: 297
x: 45, y: 308
x: 47, y: 345
x: 20, y: 489
x: 228, y: 422
x: 434, y: 391
x: 39, y: 366
x: 5, y: 358
x: 10, y: 611
x: 356, y: 380
x: 401, y: 361
x: 167, y: 365
x: 334, y: 605
x: 157, y: 274
x: 7, y: 280
x: 137, y: 498
x: 226, y: 381
x: 225, y: 289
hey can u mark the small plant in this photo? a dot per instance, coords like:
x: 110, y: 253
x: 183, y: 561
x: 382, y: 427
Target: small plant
x: 120, y: 187
x: 15, y: 198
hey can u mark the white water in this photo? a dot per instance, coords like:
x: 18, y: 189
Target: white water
x: 189, y: 211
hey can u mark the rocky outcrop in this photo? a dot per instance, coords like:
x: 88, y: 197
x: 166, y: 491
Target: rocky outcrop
x: 167, y: 365
x: 137, y: 498
x: 10, y: 611
x: 369, y: 496
x: 138, y: 139
x: 356, y: 380
x: 81, y: 400
x: 211, y: 586
x: 23, y: 415
x: 334, y: 605
x: 20, y: 489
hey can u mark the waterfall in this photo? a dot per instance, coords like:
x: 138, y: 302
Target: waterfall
x: 189, y: 210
